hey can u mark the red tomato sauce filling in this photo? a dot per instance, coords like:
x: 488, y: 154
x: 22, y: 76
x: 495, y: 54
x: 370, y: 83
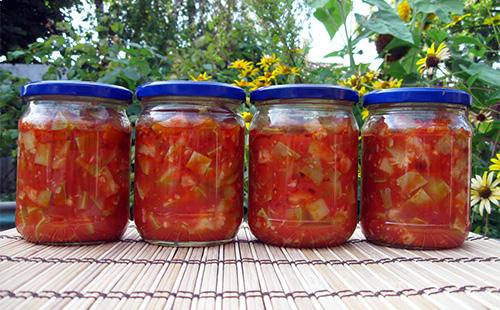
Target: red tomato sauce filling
x: 189, y: 177
x: 73, y: 177
x: 415, y: 184
x: 303, y: 182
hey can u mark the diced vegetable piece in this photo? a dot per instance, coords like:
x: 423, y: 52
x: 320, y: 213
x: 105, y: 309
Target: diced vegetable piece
x: 187, y: 181
x: 315, y: 128
x: 400, y: 157
x: 420, y: 198
x: 264, y: 156
x: 61, y: 154
x: 411, y: 181
x: 385, y: 165
x: 386, y: 198
x: 295, y: 214
x: 312, y: 169
x: 318, y: 209
x: 169, y: 177
x: 300, y: 197
x: 90, y: 228
x: 145, y: 164
x: 84, y: 201
x: 282, y: 150
x: 154, y: 221
x: 60, y: 122
x: 91, y: 169
x: 204, y: 223
x: 43, y: 198
x: 27, y: 139
x: 87, y: 144
x: 141, y: 189
x: 176, y: 121
x: 108, y: 183
x: 345, y: 164
x: 42, y: 154
x: 198, y: 163
x: 437, y: 189
x: 320, y: 150
x: 444, y: 145
x: 149, y: 150
x: 229, y: 192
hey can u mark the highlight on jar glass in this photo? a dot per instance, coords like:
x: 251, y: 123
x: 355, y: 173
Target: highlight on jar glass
x: 189, y: 163
x: 416, y: 168
x: 73, y: 178
x: 303, y: 165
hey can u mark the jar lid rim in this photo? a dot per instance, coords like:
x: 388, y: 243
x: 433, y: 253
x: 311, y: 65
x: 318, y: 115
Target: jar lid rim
x: 76, y: 88
x: 190, y: 89
x: 418, y: 95
x: 304, y: 91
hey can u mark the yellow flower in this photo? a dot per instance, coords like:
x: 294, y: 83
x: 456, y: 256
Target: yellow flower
x: 240, y: 64
x: 201, y: 77
x: 404, y: 11
x: 432, y: 58
x: 267, y: 61
x: 255, y: 84
x: 496, y: 163
x: 490, y: 21
x: 480, y: 118
x: 266, y: 78
x: 362, y: 91
x: 391, y: 83
x: 241, y: 83
x: 369, y: 76
x: 285, y: 70
x: 365, y: 113
x: 456, y: 19
x: 247, y: 117
x: 249, y: 71
x: 484, y: 192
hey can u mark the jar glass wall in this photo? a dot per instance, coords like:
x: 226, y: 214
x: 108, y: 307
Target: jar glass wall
x: 189, y: 163
x: 416, y: 168
x: 73, y: 163
x: 303, y: 165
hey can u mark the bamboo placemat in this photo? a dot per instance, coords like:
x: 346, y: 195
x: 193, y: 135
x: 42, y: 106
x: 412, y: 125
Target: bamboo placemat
x: 246, y: 274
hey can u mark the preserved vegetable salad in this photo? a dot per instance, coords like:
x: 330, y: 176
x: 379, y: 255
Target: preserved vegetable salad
x: 73, y: 163
x: 303, y: 165
x: 189, y: 163
x: 416, y: 168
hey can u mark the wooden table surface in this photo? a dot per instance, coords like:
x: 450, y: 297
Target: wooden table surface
x: 131, y: 274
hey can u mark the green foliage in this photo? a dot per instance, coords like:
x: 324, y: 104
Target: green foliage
x: 473, y: 43
x: 11, y: 107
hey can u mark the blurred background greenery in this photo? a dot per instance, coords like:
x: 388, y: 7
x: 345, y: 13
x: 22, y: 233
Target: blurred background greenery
x: 419, y: 43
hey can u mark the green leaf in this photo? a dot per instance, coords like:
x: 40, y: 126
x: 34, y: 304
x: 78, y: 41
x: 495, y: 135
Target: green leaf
x: 442, y: 8
x: 484, y: 73
x: 333, y: 14
x: 385, y: 22
x: 380, y: 4
x: 437, y: 35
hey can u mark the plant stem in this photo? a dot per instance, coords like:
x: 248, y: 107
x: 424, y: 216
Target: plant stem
x: 486, y: 227
x: 352, y: 64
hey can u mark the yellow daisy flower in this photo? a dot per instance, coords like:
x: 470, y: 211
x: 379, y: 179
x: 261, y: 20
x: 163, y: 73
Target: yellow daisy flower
x: 490, y: 21
x: 480, y: 117
x: 484, y: 192
x: 365, y: 113
x: 433, y: 58
x: 404, y: 11
x: 241, y: 83
x: 267, y: 61
x: 496, y: 163
x: 240, y: 64
x: 247, y: 117
x: 391, y: 83
x: 201, y: 77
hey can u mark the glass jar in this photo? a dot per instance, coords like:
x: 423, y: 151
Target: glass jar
x: 303, y: 165
x: 416, y: 168
x: 189, y: 163
x: 73, y: 163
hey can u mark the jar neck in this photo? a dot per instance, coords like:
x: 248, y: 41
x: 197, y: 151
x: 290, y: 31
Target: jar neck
x: 178, y: 103
x: 58, y: 99
x: 417, y: 107
x: 304, y: 104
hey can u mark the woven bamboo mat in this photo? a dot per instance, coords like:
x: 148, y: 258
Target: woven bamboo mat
x: 246, y: 274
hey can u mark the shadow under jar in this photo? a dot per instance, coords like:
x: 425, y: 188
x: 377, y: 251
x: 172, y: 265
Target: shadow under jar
x: 73, y: 165
x: 416, y: 168
x: 303, y: 165
x: 189, y: 163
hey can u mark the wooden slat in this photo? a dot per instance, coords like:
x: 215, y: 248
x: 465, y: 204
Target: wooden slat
x: 246, y: 274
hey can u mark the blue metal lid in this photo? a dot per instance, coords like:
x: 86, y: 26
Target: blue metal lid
x: 190, y: 89
x: 418, y: 94
x: 76, y: 88
x: 306, y: 91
